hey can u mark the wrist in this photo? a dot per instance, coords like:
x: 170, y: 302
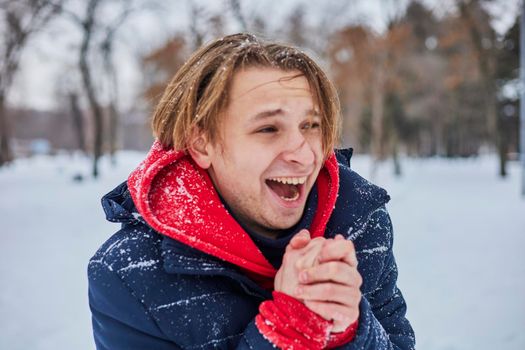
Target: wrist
x: 340, y: 327
x: 340, y: 338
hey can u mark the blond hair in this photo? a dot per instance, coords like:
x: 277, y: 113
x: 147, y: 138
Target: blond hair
x: 198, y: 92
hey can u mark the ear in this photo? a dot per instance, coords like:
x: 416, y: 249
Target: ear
x: 200, y: 150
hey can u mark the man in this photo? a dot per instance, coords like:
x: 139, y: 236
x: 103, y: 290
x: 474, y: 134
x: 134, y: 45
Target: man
x: 242, y: 229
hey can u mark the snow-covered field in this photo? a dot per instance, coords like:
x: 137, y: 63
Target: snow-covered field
x: 460, y: 240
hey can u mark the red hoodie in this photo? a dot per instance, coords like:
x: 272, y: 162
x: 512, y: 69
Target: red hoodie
x: 177, y: 198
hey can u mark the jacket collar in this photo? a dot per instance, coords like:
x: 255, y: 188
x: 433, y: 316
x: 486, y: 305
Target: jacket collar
x: 177, y: 198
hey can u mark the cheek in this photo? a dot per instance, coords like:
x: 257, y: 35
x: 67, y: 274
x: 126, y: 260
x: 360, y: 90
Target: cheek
x: 256, y: 155
x: 316, y: 144
x: 243, y: 168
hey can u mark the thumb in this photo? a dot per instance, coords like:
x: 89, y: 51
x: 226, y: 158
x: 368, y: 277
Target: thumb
x: 300, y: 240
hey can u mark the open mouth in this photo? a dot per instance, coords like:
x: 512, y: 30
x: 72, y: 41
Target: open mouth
x: 287, y: 188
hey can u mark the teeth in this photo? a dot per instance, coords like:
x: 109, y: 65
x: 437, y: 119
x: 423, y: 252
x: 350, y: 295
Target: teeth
x: 294, y: 198
x: 289, y: 180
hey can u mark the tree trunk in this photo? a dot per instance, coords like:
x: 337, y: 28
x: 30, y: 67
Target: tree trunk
x: 395, y: 154
x: 78, y: 122
x: 486, y: 63
x: 503, y: 146
x: 113, y: 112
x: 113, y: 129
x: 6, y: 155
x: 378, y: 101
x: 498, y: 133
x: 96, y: 110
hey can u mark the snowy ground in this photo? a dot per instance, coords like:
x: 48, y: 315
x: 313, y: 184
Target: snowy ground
x: 460, y: 234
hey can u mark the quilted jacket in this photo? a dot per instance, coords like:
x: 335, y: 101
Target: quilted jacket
x: 150, y: 291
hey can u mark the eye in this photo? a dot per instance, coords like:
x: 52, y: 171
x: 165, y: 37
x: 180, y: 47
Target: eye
x: 311, y: 125
x: 267, y: 129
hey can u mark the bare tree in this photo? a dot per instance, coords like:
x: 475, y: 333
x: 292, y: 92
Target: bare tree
x: 483, y: 39
x: 88, y: 26
x: 235, y: 6
x: 107, y: 47
x: 197, y: 33
x: 90, y: 29
x: 78, y: 121
x: 22, y: 19
x: 386, y: 60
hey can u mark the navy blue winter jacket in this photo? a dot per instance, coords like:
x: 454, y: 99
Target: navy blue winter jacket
x: 148, y: 291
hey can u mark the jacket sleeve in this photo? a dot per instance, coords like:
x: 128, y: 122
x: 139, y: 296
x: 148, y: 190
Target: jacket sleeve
x: 120, y: 321
x: 284, y: 322
x: 382, y: 321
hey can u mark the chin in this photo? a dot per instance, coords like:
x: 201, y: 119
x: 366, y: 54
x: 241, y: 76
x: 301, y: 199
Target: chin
x: 286, y: 223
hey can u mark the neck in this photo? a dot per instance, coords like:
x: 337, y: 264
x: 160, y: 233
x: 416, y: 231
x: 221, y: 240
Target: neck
x: 252, y: 226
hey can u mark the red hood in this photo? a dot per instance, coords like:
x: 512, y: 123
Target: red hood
x: 177, y: 198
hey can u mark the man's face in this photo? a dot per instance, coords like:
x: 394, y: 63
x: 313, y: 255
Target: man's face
x: 270, y: 151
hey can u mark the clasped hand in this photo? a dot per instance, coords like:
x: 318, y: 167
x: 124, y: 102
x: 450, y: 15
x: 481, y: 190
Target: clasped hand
x: 322, y: 273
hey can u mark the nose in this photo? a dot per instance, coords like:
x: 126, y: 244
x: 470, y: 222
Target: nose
x: 298, y: 150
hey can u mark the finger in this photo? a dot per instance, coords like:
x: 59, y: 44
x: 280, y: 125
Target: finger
x: 343, y: 316
x: 332, y: 271
x: 310, y: 254
x: 338, y: 250
x: 330, y: 292
x: 300, y: 240
x: 287, y: 277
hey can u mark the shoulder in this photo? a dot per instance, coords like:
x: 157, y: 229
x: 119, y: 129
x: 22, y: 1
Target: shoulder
x: 117, y: 305
x: 361, y: 216
x: 364, y: 194
x: 132, y: 281
x: 126, y: 248
x: 120, y: 268
x: 358, y: 204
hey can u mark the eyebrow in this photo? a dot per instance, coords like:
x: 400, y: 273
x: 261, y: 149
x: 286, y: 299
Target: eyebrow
x: 278, y: 111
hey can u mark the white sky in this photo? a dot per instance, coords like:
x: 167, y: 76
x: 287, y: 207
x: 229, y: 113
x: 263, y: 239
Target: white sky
x: 50, y: 61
